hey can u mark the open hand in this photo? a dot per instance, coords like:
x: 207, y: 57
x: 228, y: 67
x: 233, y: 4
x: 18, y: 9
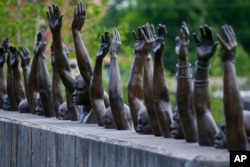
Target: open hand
x: 79, y: 17
x: 206, y: 46
x: 55, y: 18
x: 182, y: 42
x: 229, y: 46
x: 160, y: 39
x: 116, y: 41
x: 104, y: 47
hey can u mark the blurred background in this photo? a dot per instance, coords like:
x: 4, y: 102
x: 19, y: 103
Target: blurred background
x: 20, y: 20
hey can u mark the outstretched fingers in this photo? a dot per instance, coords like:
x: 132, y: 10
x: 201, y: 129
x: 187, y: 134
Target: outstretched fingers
x: 209, y: 34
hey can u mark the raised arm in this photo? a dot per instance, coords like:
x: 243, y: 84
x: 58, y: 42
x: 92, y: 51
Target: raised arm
x: 96, y: 87
x: 82, y: 55
x: 57, y: 94
x: 205, y: 49
x: 25, y: 63
x: 184, y: 94
x: 44, y: 85
x: 160, y: 87
x: 17, y: 88
x: 146, y: 48
x: 233, y: 109
x: 135, y: 83
x: 120, y: 114
x: 61, y: 61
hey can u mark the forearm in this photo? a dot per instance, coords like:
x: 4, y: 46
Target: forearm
x: 62, y: 64
x: 184, y: 85
x: 184, y: 98
x: 115, y: 84
x: 44, y: 88
x: 135, y: 84
x: 18, y: 86
x: 57, y: 88
x: 26, y: 71
x: 96, y: 87
x: 232, y: 100
x: 115, y: 95
x: 201, y: 88
x: 82, y: 56
x: 135, y: 89
x: 160, y: 87
x: 61, y: 60
x: 148, y: 94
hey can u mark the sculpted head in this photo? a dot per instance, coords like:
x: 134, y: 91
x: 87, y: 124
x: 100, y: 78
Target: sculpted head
x: 128, y: 116
x: 221, y: 137
x: 39, y: 108
x: 62, y: 110
x: 176, y: 126
x: 143, y: 126
x: 23, y: 106
x: 6, y: 104
x: 81, y: 93
x: 108, y: 119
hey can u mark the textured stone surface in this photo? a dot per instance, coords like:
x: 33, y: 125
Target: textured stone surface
x: 30, y: 140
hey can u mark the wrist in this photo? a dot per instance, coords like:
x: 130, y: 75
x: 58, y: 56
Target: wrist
x: 75, y: 30
x: 183, y: 61
x: 203, y: 65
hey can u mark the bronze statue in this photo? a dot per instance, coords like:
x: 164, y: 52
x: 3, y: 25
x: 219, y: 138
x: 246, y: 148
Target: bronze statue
x: 44, y: 85
x: 57, y: 93
x: 176, y: 126
x: 23, y: 106
x: 184, y: 94
x: 81, y: 97
x: 82, y: 55
x: 39, y: 108
x: 33, y: 85
x: 205, y: 49
x: 15, y: 88
x: 160, y: 88
x: 108, y: 119
x: 135, y: 86
x: 143, y: 125
x: 96, y: 87
x: 143, y: 47
x: 221, y: 137
x: 120, y: 111
x: 233, y: 109
x: 61, y: 60
x: 71, y: 113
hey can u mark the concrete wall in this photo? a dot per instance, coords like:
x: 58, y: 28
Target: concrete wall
x: 26, y: 144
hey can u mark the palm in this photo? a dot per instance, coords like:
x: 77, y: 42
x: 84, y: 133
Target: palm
x: 79, y: 17
x: 229, y: 46
x: 54, y: 24
x: 205, y: 50
x: 116, y: 41
x: 160, y: 40
x: 206, y: 47
x: 138, y: 41
x: 54, y: 18
x: 25, y: 58
x: 182, y: 42
x: 181, y: 48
